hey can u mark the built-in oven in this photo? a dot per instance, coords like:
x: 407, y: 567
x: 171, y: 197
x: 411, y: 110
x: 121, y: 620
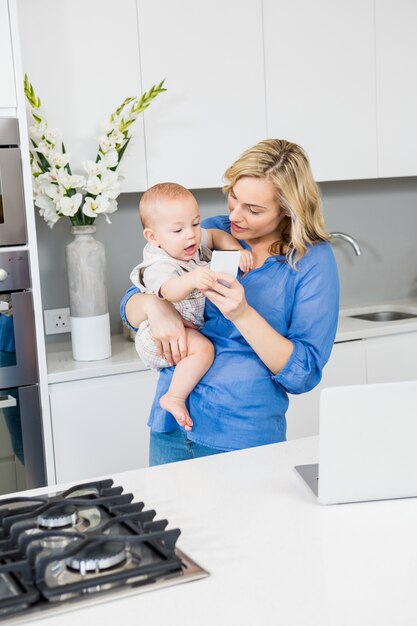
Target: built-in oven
x: 21, y: 442
x: 12, y: 205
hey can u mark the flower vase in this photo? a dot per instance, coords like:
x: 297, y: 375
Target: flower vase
x: 89, y: 315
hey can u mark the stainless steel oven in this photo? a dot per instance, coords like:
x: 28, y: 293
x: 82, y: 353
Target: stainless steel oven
x: 12, y: 205
x: 21, y: 442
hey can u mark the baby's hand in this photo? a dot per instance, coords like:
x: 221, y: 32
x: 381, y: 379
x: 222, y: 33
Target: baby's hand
x: 203, y: 278
x: 245, y: 260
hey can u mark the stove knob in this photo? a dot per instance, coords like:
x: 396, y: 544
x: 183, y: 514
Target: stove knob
x: 3, y: 274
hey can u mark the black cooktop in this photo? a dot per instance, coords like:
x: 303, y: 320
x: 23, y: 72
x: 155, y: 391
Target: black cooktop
x: 87, y: 543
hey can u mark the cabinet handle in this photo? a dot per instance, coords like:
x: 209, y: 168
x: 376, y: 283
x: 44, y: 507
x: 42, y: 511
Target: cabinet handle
x: 6, y: 401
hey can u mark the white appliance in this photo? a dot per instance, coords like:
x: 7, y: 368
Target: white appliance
x: 368, y: 437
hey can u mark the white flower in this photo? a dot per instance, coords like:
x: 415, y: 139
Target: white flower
x: 34, y: 166
x: 105, y: 144
x: 54, y: 191
x: 93, y: 206
x: 111, y: 209
x: 93, y: 185
x: 37, y: 130
x: 111, y: 158
x: 116, y: 136
x: 47, y: 210
x: 70, y: 181
x: 44, y: 148
x: 95, y: 169
x: 69, y: 206
x: 110, y: 185
x: 108, y: 126
x: 45, y: 204
x: 56, y: 159
x: 52, y: 135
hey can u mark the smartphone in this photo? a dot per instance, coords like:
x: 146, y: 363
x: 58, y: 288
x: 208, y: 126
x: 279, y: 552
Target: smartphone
x: 226, y: 261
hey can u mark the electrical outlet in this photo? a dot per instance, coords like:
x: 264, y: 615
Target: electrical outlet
x: 57, y: 321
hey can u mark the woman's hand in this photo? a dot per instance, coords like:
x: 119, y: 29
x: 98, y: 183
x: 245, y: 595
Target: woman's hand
x: 229, y: 300
x: 168, y: 330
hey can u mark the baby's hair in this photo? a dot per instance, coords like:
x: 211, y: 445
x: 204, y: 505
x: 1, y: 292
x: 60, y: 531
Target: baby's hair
x: 162, y: 191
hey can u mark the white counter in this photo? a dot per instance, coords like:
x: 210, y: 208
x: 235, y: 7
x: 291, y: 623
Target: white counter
x: 274, y: 554
x: 62, y: 367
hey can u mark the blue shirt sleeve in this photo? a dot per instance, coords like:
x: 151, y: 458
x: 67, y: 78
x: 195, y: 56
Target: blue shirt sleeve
x: 313, y: 322
x: 130, y: 292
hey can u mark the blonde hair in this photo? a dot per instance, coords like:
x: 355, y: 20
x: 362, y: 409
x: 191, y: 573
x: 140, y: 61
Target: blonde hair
x: 162, y: 191
x: 286, y: 165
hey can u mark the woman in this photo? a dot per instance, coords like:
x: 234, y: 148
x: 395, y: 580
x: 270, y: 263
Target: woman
x: 273, y: 328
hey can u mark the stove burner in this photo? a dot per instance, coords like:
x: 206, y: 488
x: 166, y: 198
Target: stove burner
x: 60, y: 517
x: 96, y: 558
x: 89, y: 539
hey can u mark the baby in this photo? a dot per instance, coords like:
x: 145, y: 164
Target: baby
x: 175, y: 267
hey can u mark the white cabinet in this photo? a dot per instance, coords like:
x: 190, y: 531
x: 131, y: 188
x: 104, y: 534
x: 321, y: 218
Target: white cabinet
x: 100, y: 425
x: 346, y: 366
x: 83, y: 61
x: 391, y: 358
x: 7, y: 82
x: 320, y: 83
x: 396, y: 49
x: 211, y: 55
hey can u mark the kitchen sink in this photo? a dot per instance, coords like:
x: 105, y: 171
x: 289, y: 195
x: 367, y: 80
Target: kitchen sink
x: 384, y: 316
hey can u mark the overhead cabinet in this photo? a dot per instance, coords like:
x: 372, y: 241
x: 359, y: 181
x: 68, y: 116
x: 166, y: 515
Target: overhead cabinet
x: 211, y: 55
x: 83, y: 67
x: 336, y: 77
x: 396, y: 50
x: 320, y: 83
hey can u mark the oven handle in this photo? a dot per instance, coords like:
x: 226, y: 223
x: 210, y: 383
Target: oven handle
x: 6, y: 401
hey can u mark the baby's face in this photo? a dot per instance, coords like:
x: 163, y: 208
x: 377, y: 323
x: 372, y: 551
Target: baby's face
x: 176, y: 227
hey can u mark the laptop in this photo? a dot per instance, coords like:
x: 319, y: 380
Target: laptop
x: 368, y: 444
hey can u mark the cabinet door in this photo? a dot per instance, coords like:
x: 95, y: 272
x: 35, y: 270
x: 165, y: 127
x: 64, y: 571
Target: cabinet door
x: 211, y: 56
x: 83, y: 61
x: 396, y: 49
x: 346, y: 366
x: 7, y: 86
x: 320, y: 83
x: 392, y: 358
x: 100, y: 425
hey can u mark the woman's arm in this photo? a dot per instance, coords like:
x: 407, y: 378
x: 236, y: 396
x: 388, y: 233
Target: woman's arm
x: 166, y: 323
x: 297, y: 359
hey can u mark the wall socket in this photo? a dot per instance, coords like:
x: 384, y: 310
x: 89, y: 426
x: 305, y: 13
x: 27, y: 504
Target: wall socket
x: 57, y: 321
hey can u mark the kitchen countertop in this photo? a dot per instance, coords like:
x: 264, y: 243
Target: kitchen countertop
x: 275, y: 556
x: 62, y: 367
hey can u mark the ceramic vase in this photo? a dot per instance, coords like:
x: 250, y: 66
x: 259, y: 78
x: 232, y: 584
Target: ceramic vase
x: 89, y: 315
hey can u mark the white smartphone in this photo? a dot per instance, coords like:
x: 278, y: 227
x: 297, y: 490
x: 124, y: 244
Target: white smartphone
x: 226, y: 261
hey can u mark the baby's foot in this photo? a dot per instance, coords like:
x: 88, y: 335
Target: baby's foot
x: 177, y: 407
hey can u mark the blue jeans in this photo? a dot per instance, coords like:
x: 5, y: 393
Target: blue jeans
x: 175, y: 446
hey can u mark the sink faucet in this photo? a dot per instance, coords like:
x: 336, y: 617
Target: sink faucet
x: 349, y: 239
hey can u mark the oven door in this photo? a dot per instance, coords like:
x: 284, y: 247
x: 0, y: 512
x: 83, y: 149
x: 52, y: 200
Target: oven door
x: 17, y: 340
x: 12, y: 203
x: 21, y: 441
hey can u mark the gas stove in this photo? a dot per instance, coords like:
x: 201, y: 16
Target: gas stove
x: 89, y: 543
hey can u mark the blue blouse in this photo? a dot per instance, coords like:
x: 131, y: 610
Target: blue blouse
x: 240, y: 403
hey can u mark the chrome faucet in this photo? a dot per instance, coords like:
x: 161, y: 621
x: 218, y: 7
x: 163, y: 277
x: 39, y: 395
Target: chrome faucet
x: 349, y: 239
